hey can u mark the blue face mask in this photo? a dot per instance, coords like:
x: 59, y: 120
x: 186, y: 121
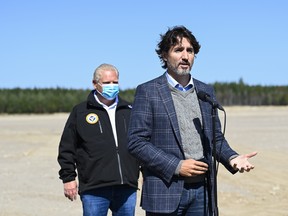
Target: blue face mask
x: 110, y: 91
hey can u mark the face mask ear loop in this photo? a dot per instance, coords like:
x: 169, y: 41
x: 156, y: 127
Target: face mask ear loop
x: 95, y: 83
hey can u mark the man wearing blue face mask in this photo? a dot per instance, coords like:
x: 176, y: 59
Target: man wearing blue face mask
x: 94, y: 142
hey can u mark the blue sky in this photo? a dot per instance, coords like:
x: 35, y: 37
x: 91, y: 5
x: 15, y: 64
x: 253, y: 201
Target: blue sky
x: 46, y: 44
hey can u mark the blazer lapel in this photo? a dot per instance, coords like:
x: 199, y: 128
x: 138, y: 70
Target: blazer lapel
x: 165, y: 95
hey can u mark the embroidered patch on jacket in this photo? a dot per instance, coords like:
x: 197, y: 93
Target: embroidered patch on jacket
x: 92, y: 118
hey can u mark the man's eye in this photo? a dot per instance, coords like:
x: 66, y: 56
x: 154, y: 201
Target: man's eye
x: 178, y: 50
x: 114, y: 82
x: 190, y: 50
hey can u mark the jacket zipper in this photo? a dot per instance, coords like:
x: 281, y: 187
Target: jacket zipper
x: 100, y: 127
x: 118, y: 156
x: 119, y: 165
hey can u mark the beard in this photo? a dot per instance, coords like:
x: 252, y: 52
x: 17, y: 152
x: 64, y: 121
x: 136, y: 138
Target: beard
x: 178, y: 70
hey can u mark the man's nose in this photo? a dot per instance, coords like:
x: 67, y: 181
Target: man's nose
x: 185, y: 55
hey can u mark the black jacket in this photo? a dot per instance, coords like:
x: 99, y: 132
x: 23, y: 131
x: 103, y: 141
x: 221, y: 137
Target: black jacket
x: 87, y: 144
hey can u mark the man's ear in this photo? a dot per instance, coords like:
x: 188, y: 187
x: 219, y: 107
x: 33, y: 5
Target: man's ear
x: 94, y: 84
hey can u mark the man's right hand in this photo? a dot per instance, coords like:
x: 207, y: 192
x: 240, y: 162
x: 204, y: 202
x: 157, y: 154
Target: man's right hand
x: 71, y: 190
x: 192, y: 167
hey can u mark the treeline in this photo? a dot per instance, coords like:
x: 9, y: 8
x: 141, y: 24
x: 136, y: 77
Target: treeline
x: 230, y: 94
x: 46, y: 100
x: 36, y: 100
x: 53, y: 100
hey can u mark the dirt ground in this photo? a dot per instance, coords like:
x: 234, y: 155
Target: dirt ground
x: 30, y: 186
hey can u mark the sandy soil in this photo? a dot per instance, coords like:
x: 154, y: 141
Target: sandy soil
x: 29, y: 181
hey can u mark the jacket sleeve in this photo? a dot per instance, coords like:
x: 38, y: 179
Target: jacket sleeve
x: 67, y: 150
x: 144, y: 137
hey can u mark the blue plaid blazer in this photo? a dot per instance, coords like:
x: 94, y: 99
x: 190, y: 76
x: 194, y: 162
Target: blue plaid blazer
x: 154, y: 139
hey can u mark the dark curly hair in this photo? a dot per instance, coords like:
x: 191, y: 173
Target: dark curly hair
x: 171, y: 39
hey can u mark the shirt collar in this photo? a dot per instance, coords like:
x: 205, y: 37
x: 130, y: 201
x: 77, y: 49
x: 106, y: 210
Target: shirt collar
x: 112, y: 106
x: 177, y: 85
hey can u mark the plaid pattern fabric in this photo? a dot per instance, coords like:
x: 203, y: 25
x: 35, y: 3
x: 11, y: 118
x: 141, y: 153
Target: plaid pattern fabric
x: 154, y: 139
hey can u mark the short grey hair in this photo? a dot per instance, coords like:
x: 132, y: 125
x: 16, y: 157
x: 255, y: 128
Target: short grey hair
x: 101, y: 68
